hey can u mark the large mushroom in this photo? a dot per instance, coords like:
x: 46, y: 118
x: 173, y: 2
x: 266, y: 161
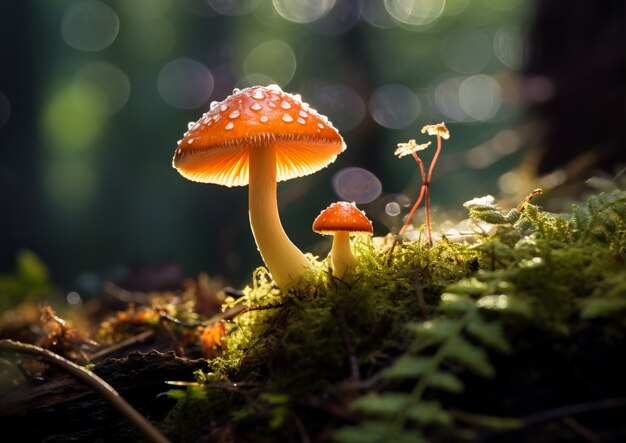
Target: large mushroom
x: 259, y: 136
x: 342, y: 219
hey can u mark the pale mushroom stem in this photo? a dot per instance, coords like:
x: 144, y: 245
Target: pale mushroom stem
x: 341, y: 258
x: 283, y: 259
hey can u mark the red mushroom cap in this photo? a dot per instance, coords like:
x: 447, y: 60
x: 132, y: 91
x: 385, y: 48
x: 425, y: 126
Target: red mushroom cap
x: 215, y: 148
x: 342, y: 216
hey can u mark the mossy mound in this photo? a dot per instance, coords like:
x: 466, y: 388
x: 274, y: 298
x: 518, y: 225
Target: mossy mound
x: 384, y: 356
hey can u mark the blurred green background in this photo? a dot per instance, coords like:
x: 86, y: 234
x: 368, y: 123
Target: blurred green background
x: 95, y: 94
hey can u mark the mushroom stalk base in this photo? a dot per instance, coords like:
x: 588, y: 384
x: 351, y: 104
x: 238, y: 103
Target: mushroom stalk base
x: 341, y: 258
x: 283, y: 259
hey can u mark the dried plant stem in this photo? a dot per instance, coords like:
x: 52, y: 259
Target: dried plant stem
x: 424, y: 191
x: 149, y: 431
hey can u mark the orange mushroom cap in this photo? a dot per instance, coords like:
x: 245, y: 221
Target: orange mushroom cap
x: 342, y: 216
x: 215, y: 148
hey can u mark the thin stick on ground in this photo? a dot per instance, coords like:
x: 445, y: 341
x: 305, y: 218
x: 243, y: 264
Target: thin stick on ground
x: 149, y: 431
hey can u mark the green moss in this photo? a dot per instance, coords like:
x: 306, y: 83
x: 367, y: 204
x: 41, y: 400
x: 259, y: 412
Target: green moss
x: 423, y: 317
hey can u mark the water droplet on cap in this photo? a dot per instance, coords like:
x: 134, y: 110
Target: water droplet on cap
x: 190, y: 125
x: 301, y: 121
x: 285, y: 104
x: 229, y: 126
x: 258, y: 94
x: 256, y: 107
x: 214, y: 105
x: 234, y: 114
x: 303, y: 114
x: 287, y: 118
x: 223, y: 108
x: 236, y: 91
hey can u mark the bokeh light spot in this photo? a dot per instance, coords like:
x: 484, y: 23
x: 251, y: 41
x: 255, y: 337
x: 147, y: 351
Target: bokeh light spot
x: 145, y: 9
x: 106, y: 80
x: 446, y: 97
x: 356, y: 185
x: 480, y: 97
x: 415, y: 12
x: 393, y: 209
x: 375, y: 14
x: 5, y: 109
x: 71, y: 117
x: 508, y: 46
x: 339, y: 19
x: 71, y: 186
x: 302, y: 11
x: 454, y: 7
x: 466, y: 50
x: 341, y: 104
x: 73, y: 298
x: 510, y: 182
x: 89, y: 25
x: 394, y: 106
x: 274, y: 59
x: 185, y: 83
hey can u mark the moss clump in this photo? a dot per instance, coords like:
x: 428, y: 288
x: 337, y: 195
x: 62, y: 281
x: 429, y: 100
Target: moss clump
x: 388, y: 352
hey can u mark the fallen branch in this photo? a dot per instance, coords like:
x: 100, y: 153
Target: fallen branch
x: 150, y: 432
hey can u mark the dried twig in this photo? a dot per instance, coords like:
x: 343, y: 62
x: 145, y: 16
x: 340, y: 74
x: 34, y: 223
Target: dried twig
x: 149, y: 431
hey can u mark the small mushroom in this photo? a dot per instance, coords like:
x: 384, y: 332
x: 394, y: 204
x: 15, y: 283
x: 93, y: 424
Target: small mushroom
x: 259, y: 136
x: 342, y: 219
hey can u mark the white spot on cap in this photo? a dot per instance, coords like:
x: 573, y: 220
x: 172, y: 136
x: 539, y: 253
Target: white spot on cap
x: 234, y: 114
x: 190, y: 125
x: 285, y: 104
x: 272, y: 104
x: 236, y: 91
x: 229, y: 126
x: 321, y: 126
x: 258, y: 94
x: 264, y: 119
x: 256, y: 107
x: 287, y: 118
x: 274, y: 88
x: 297, y: 97
x: 178, y: 142
x: 223, y: 108
x: 303, y: 114
x: 190, y: 141
x: 214, y: 105
x: 301, y: 121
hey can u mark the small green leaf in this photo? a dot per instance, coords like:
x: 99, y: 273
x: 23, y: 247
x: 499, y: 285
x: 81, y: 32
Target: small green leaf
x: 407, y: 367
x: 436, y: 330
x: 505, y: 303
x: 601, y: 307
x: 489, y: 216
x: 445, y: 381
x: 490, y: 334
x: 30, y: 267
x: 488, y: 421
x: 472, y: 357
x: 387, y: 404
x: 456, y: 303
x: 429, y: 412
x: 273, y: 398
x: 375, y: 432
